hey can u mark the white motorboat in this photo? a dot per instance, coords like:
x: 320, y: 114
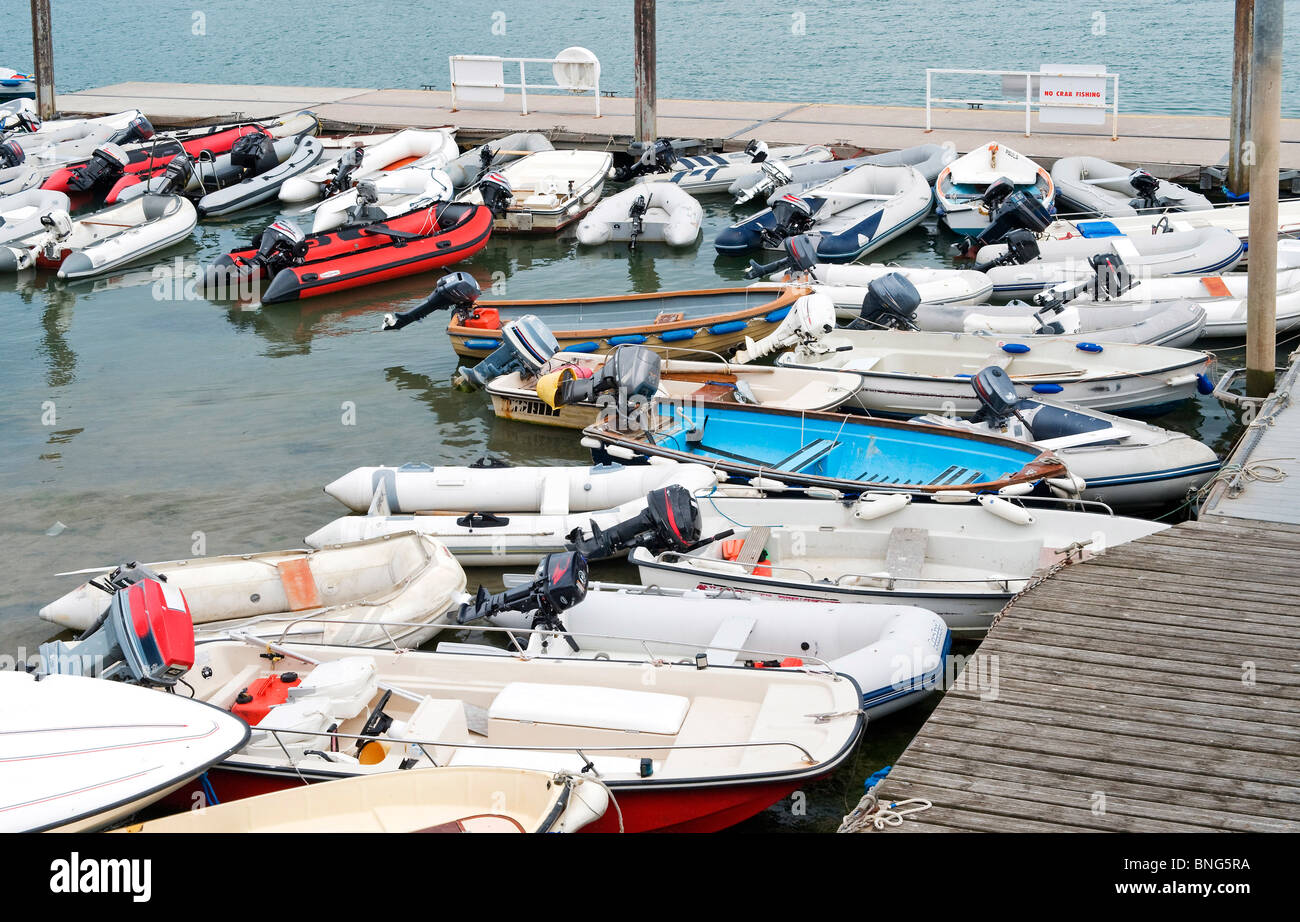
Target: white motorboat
x: 970, y: 189
x: 1028, y: 269
x: 402, y: 577
x: 477, y: 162
x: 103, y: 241
x: 482, y: 799
x: 544, y: 192
x: 963, y: 560
x: 1124, y: 463
x: 845, y: 217
x: 1096, y: 186
x: 895, y: 653
x: 82, y: 753
x: 657, y: 212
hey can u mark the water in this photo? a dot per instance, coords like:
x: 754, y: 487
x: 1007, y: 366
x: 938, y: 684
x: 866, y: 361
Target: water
x: 141, y: 424
x: 1174, y: 58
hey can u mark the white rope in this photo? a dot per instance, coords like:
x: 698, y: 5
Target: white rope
x: 869, y: 814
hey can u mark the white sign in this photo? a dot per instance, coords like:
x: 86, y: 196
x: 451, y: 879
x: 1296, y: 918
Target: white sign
x: 1078, y: 90
x: 478, y: 78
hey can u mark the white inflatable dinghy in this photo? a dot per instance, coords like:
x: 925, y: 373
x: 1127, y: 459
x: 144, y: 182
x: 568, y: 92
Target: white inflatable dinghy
x: 477, y: 162
x: 716, y: 172
x: 1091, y: 185
x: 21, y: 213
x: 774, y: 178
x: 658, y: 212
x: 432, y: 148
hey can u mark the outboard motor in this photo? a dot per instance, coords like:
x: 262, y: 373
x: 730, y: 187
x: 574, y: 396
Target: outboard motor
x: 253, y: 154
x: 890, y: 304
x: 1147, y: 188
x: 137, y: 130
x: 559, y: 583
x: 630, y: 375
x: 995, y: 193
x: 527, y: 345
x: 454, y: 291
x: 279, y: 246
x: 176, y: 177
x: 636, y: 215
x: 1022, y: 247
x: 1018, y: 210
x: 364, y: 211
x: 656, y: 157
x: 19, y: 115
x: 670, y: 522
x: 792, y: 216
x: 810, y: 318
x: 800, y: 256
x: 1111, y: 277
x: 773, y: 175
x: 997, y: 396
x: 11, y: 154
x: 348, y: 164
x: 496, y: 193
x: 105, y: 167
x: 757, y: 151
x: 145, y: 637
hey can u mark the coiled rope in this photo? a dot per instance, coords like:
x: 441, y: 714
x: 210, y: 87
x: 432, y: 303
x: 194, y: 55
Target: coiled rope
x: 870, y: 814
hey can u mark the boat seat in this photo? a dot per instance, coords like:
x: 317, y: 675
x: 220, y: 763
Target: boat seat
x: 784, y: 715
x: 554, y: 495
x: 440, y: 719
x: 863, y: 363
x: 731, y: 633
x: 752, y: 549
x: 905, y: 552
x: 590, y: 706
x: 805, y: 457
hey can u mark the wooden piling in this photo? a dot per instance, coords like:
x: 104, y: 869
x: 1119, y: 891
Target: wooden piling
x: 643, y: 25
x: 1238, y: 179
x: 43, y: 54
x: 1265, y: 117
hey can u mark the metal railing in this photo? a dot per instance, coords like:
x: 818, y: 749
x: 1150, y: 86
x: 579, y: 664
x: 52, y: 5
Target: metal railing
x: 523, y: 86
x: 1028, y: 102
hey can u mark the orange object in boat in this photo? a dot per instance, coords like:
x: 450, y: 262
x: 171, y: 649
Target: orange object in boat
x: 1216, y: 287
x: 731, y: 548
x: 263, y: 694
x: 761, y: 568
x: 484, y: 318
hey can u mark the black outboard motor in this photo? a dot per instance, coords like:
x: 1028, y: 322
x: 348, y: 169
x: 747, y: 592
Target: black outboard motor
x: 454, y: 291
x: 1110, y: 276
x: 1147, y: 188
x: 1022, y: 247
x: 630, y: 375
x: 176, y: 177
x: 995, y: 194
x: 636, y: 215
x: 890, y: 304
x: 279, y: 246
x: 496, y: 193
x: 1018, y: 210
x: 137, y: 130
x: 670, y: 522
x: 253, y: 154
x: 656, y: 157
x: 792, y: 216
x: 800, y: 256
x: 348, y: 164
x: 105, y: 167
x: 997, y: 396
x: 11, y: 154
x: 559, y: 583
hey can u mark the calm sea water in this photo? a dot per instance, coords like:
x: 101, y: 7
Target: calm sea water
x: 1171, y: 57
x: 140, y: 423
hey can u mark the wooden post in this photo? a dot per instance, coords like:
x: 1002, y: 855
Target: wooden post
x: 643, y: 26
x: 1238, y: 180
x: 43, y: 52
x: 1265, y: 126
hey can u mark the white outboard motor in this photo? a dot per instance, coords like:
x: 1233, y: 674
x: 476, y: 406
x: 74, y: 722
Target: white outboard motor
x: 810, y: 318
x: 496, y: 193
x: 58, y: 227
x: 11, y: 154
x: 773, y: 174
x: 105, y: 166
x: 527, y: 345
x: 890, y: 304
x: 454, y: 291
x: 757, y: 151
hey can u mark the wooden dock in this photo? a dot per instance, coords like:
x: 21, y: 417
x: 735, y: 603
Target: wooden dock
x: 1172, y: 146
x: 1154, y: 688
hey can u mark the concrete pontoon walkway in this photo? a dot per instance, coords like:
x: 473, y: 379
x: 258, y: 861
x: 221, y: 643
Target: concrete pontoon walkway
x: 1172, y: 145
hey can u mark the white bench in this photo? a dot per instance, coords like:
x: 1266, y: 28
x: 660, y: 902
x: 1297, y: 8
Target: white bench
x: 590, y: 706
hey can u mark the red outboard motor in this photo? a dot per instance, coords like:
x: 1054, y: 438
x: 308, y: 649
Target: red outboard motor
x: 279, y: 246
x: 98, y: 174
x: 670, y: 522
x: 496, y: 193
x: 137, y: 130
x: 146, y: 637
x: 11, y: 154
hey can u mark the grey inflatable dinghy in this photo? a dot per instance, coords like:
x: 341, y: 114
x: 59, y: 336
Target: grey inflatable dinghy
x: 1096, y: 186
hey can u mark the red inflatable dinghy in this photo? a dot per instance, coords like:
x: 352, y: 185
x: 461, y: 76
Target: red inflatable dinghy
x: 298, y: 267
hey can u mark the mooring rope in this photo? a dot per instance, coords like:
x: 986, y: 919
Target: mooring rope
x: 870, y: 814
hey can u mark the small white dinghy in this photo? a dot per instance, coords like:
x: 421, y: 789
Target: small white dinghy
x: 21, y: 213
x: 1125, y: 463
x: 495, y: 487
x: 1095, y: 186
x: 969, y: 189
x: 845, y: 217
x: 658, y: 212
x: 774, y: 178
x: 104, y: 240
x: 444, y: 799
x: 1235, y: 218
x: 962, y: 560
x: 716, y: 172
x: 83, y: 753
x: 370, y: 157
x: 1029, y: 268
x: 382, y: 197
x: 895, y: 653
x: 546, y: 191
x: 400, y: 577
x: 912, y: 373
x: 503, y: 536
